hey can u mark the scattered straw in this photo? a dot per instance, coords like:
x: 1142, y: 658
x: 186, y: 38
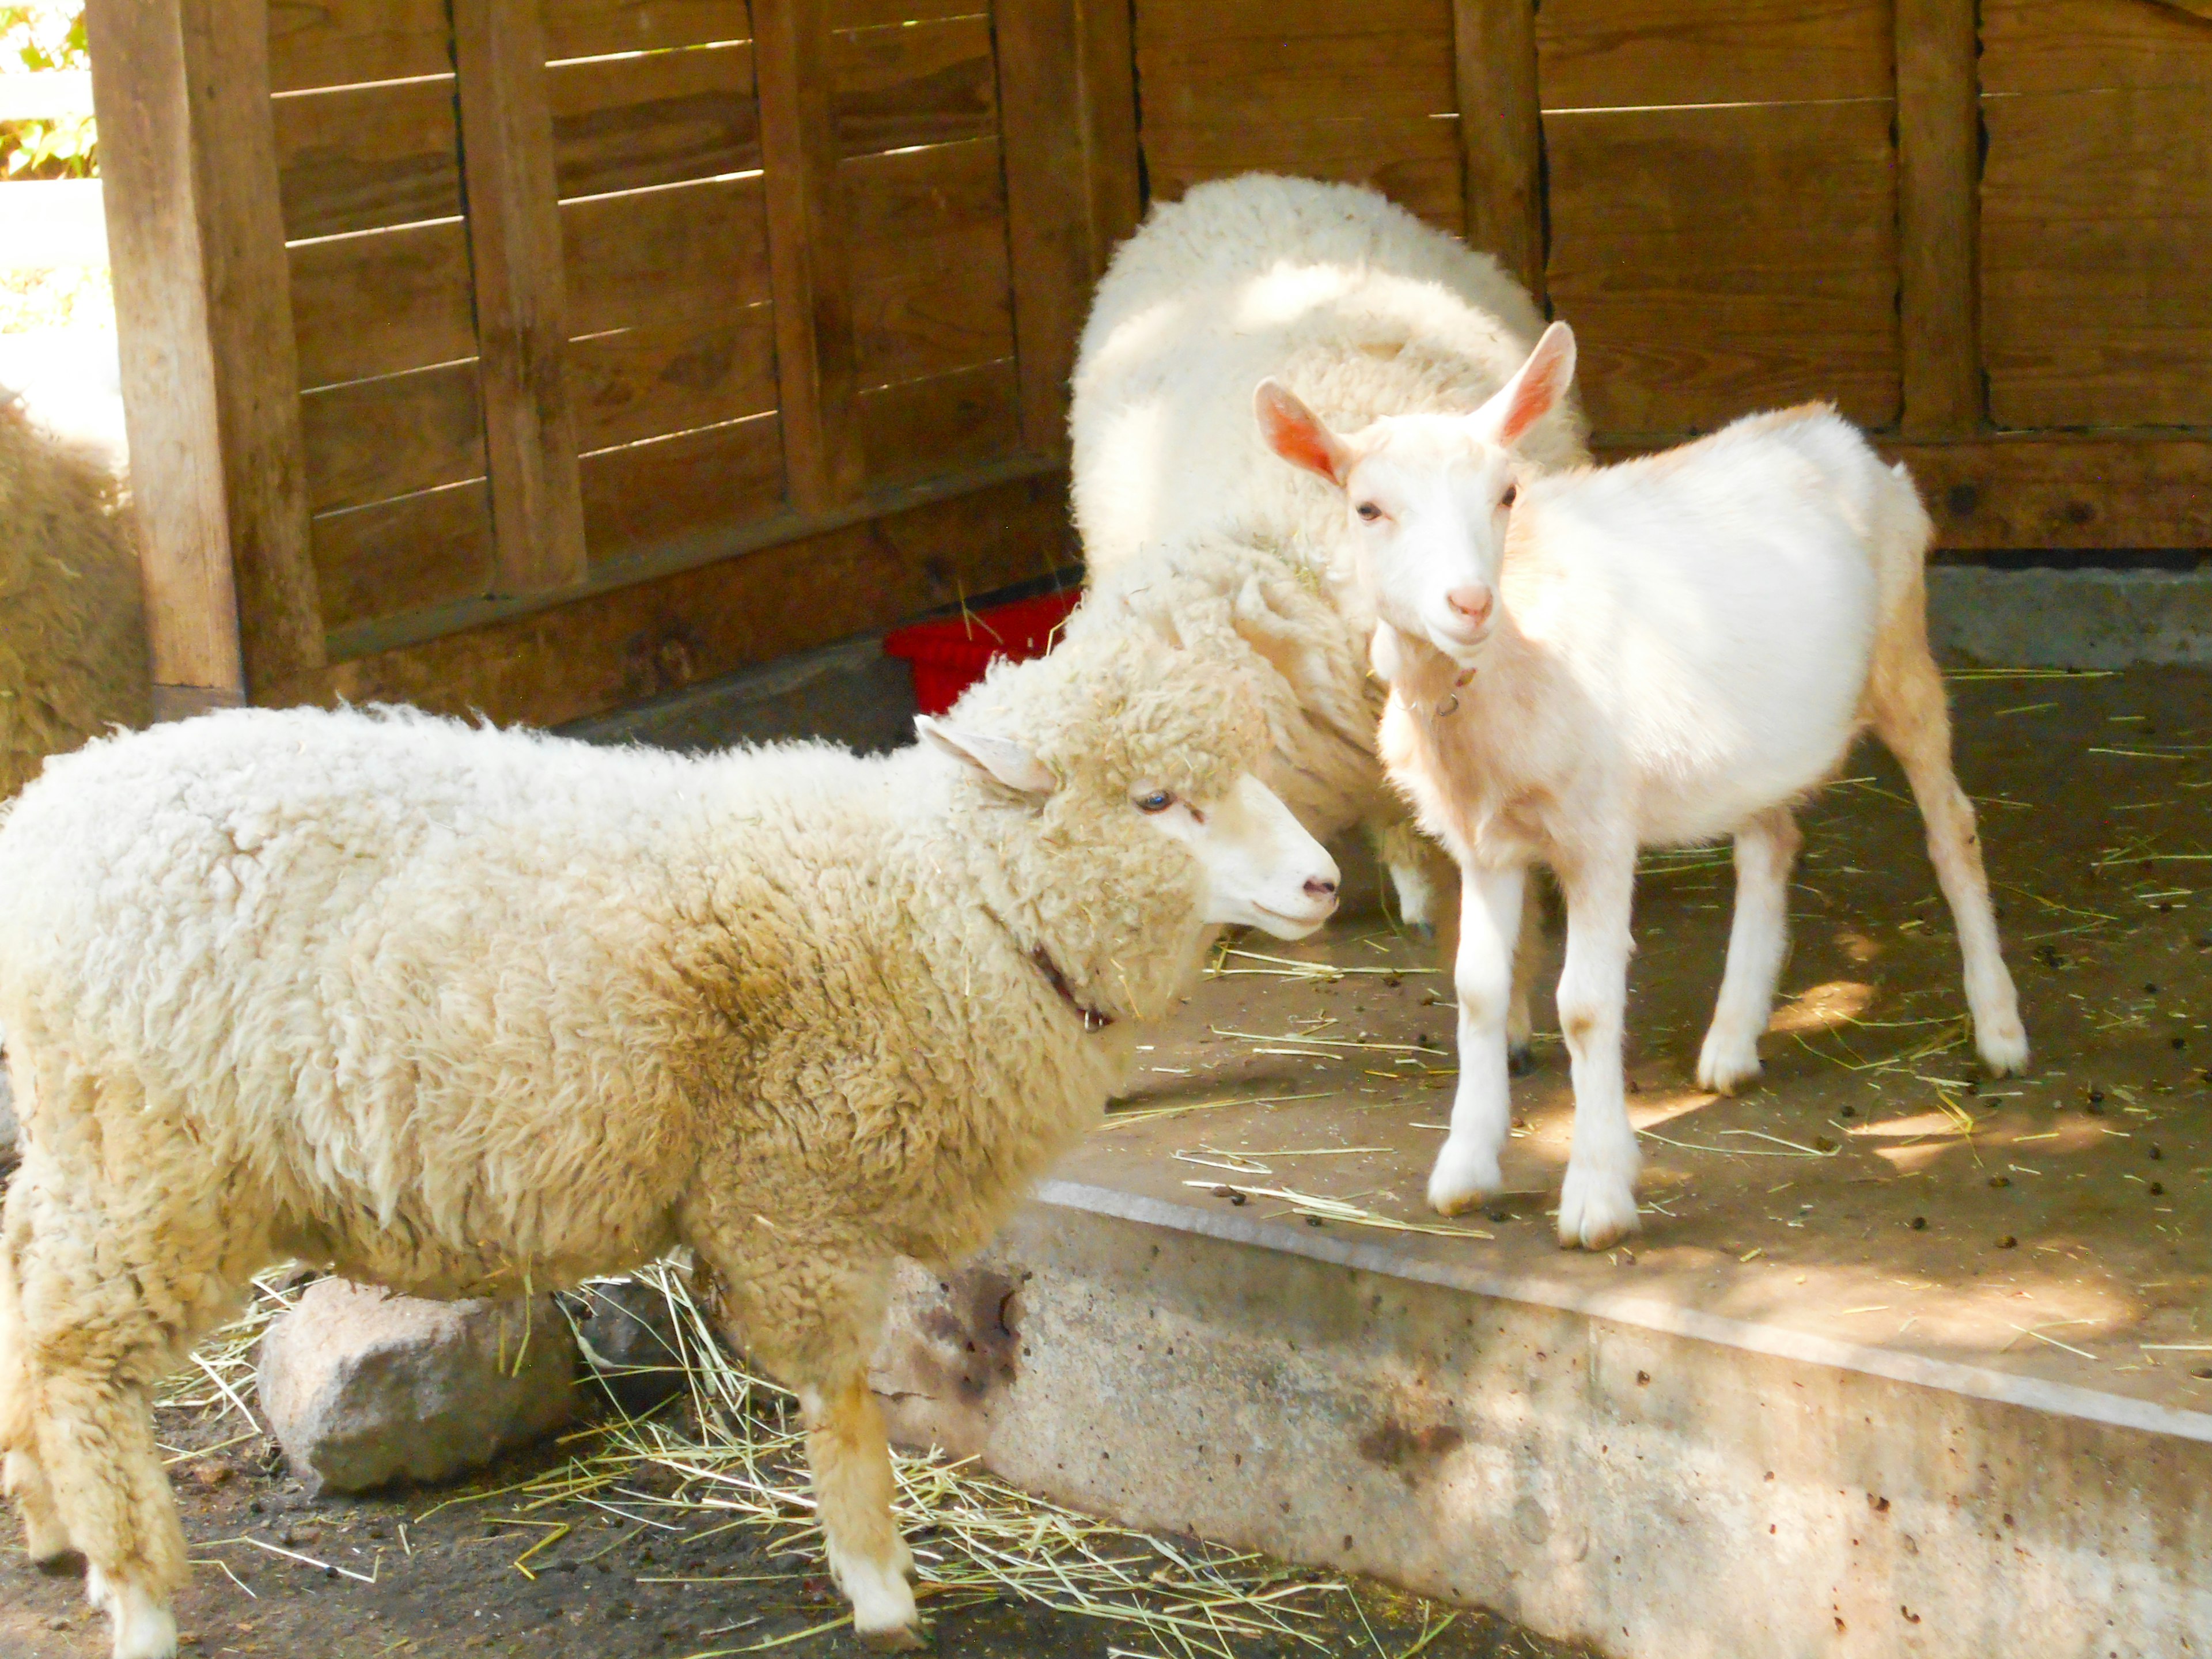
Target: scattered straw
x: 1336, y: 1209
x: 1124, y: 1119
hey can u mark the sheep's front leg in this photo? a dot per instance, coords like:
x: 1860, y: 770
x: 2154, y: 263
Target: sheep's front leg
x: 1489, y: 929
x: 1765, y: 849
x: 1597, y: 1203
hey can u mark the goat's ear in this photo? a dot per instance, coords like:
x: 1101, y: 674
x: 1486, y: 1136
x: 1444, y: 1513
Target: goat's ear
x: 999, y: 758
x: 1534, y: 392
x: 1295, y: 433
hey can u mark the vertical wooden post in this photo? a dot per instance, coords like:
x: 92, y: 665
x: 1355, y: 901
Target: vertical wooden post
x: 810, y: 275
x: 1042, y: 141
x: 1111, y: 169
x: 1501, y: 133
x: 1938, y: 220
x: 521, y: 294
x: 210, y: 381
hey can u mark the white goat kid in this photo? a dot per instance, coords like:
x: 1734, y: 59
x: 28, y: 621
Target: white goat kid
x: 1657, y: 654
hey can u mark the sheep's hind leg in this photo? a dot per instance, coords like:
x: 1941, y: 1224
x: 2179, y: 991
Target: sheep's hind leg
x: 1489, y: 922
x: 1911, y: 720
x: 1597, y: 1202
x: 1422, y: 874
x: 1765, y: 849
x: 22, y: 1477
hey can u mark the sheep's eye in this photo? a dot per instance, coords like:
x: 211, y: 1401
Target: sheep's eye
x: 1158, y: 801
x: 1506, y: 500
x: 1368, y: 510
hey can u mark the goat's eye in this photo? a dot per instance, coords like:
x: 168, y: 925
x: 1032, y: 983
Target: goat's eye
x: 1506, y: 500
x: 1368, y: 511
x: 1158, y: 801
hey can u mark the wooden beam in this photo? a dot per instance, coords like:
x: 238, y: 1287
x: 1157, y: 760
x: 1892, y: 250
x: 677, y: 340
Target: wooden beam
x: 522, y: 333
x: 809, y: 272
x: 1048, y: 206
x: 196, y: 243
x: 1501, y: 133
x: 1112, y: 170
x: 1938, y: 187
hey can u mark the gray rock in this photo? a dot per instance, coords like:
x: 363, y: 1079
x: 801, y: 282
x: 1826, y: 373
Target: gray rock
x: 363, y: 1388
x: 629, y: 1336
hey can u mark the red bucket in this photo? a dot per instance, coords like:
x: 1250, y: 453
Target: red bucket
x: 950, y: 654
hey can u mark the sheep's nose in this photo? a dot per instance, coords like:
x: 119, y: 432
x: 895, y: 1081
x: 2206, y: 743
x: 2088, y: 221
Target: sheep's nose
x: 1319, y: 889
x: 1472, y: 602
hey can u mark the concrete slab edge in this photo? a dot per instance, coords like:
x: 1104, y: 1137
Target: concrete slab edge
x: 2035, y: 1393
x: 2079, y: 619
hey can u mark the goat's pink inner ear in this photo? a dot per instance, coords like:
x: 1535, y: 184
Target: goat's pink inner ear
x: 1294, y: 433
x: 1542, y: 381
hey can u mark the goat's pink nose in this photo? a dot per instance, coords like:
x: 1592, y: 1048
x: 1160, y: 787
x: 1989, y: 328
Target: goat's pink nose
x: 1317, y: 888
x: 1471, y: 602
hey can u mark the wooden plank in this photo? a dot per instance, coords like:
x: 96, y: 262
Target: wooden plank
x: 521, y: 294
x: 888, y: 14
x: 2065, y: 492
x: 1416, y: 163
x: 928, y: 428
x: 810, y: 272
x: 1113, y: 165
x: 197, y: 245
x: 1938, y: 165
x: 650, y: 638
x: 1501, y: 133
x: 927, y: 231
x: 2087, y: 45
x: 629, y: 123
x: 1213, y: 82
x: 1265, y: 23
x: 369, y: 440
x: 2096, y: 232
x: 335, y: 43
x: 407, y: 554
x: 595, y: 28
x: 381, y: 302
x: 368, y: 158
x: 1719, y: 261
x: 923, y: 83
x: 643, y: 498
x: 1613, y: 54
x: 646, y: 382
x: 659, y: 256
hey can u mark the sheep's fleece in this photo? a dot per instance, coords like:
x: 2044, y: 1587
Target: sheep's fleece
x: 446, y: 1008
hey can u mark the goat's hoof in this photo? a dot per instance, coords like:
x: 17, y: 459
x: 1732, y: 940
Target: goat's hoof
x: 1597, y: 1209
x: 2003, y: 1049
x: 1461, y: 1180
x: 1726, y: 1064
x: 1520, y: 1059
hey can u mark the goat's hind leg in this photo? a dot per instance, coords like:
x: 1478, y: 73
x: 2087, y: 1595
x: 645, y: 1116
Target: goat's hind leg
x: 1907, y: 705
x: 1759, y: 941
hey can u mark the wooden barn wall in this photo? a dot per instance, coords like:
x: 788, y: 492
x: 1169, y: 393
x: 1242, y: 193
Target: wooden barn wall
x: 1980, y: 230
x: 561, y: 352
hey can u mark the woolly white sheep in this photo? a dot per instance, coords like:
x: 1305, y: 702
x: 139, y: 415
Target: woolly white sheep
x: 1657, y: 654
x: 1365, y: 311
x: 458, y: 1010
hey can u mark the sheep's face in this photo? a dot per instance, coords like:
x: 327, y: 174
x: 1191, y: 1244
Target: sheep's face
x: 1428, y: 498
x: 1262, y: 870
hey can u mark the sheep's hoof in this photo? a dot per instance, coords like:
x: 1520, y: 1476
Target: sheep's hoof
x: 896, y: 1639
x: 1520, y: 1059
x: 67, y: 1562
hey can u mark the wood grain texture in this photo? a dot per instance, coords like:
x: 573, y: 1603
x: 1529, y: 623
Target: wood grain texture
x: 1049, y: 242
x: 1614, y: 54
x: 662, y: 119
x: 888, y: 14
x: 335, y: 43
x: 922, y: 83
x: 943, y: 425
x: 368, y: 158
x: 369, y: 440
x: 1938, y: 168
x: 2084, y: 45
x: 1501, y: 133
x: 808, y: 261
x: 2096, y: 234
x: 640, y: 499
x: 381, y: 302
x: 203, y: 311
x: 659, y: 256
x: 927, y: 232
x: 593, y: 29
x: 1113, y: 165
x: 2063, y: 491
x: 412, y: 554
x: 642, y: 382
x: 1715, y: 262
x: 516, y: 250
x: 1415, y: 162
x: 654, y: 637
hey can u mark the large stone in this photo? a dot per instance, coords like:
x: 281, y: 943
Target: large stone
x: 364, y: 1388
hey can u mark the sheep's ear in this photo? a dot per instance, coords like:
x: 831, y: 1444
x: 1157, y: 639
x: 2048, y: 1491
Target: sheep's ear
x: 999, y: 758
x: 1532, y: 392
x: 1295, y: 433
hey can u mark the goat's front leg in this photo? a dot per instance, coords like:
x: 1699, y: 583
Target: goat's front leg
x: 1758, y: 941
x: 1489, y: 927
x: 1597, y: 1203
